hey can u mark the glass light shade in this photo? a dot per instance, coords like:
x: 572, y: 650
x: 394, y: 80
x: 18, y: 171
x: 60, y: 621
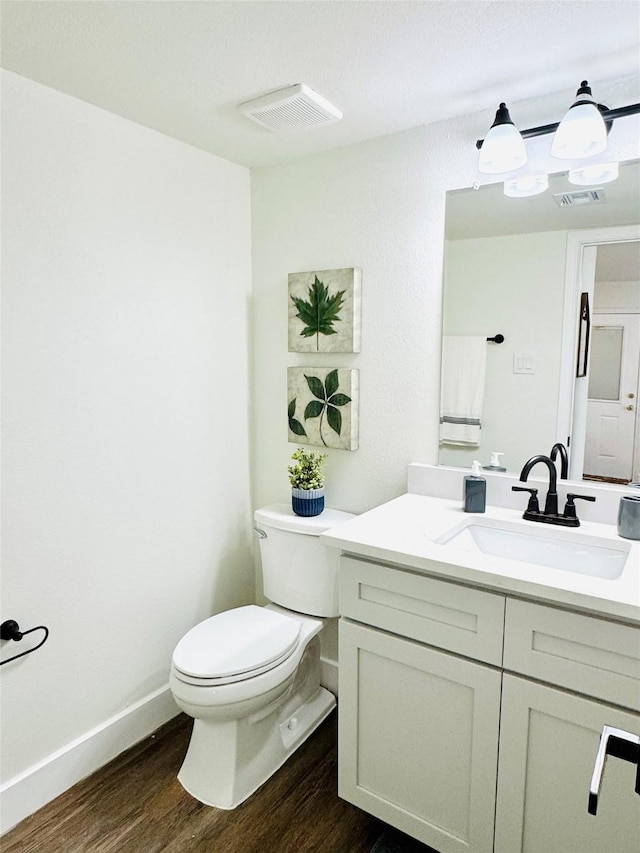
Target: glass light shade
x: 581, y: 133
x: 593, y: 173
x: 503, y: 150
x: 526, y: 185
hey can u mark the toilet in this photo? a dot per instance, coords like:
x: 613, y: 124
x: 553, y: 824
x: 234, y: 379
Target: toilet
x: 250, y: 677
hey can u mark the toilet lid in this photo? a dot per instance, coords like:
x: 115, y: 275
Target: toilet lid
x: 243, y: 641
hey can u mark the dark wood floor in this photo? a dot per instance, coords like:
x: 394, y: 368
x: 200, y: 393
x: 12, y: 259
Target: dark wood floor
x: 135, y: 804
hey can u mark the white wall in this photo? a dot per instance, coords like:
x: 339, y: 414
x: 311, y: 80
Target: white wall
x: 363, y: 206
x: 512, y: 285
x: 126, y: 278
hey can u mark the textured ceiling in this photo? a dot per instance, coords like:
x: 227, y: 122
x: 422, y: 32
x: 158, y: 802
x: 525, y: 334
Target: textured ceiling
x: 183, y: 67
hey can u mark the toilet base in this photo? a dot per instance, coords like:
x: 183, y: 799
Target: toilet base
x: 228, y: 761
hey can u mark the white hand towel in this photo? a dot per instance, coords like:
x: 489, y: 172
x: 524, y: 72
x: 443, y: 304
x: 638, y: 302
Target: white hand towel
x: 464, y: 367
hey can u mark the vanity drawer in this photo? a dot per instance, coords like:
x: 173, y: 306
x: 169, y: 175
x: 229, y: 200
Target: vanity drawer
x: 582, y: 653
x: 453, y: 617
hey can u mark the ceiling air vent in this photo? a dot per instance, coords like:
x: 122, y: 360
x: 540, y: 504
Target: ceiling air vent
x: 294, y: 108
x: 577, y: 198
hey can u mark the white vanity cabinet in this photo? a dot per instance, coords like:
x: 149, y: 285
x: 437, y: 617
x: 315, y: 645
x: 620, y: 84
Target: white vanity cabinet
x: 418, y: 727
x: 548, y: 744
x: 549, y: 736
x: 471, y: 720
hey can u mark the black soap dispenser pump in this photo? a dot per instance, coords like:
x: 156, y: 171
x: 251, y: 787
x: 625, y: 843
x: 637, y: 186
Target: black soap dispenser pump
x: 475, y: 490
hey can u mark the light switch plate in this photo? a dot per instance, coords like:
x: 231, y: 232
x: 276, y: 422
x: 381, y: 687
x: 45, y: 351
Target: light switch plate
x: 523, y: 362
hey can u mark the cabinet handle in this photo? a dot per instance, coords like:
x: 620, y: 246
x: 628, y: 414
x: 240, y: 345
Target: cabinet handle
x: 619, y: 744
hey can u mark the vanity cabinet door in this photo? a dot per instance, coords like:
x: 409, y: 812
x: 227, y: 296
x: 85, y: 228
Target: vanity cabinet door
x: 548, y: 746
x: 418, y: 738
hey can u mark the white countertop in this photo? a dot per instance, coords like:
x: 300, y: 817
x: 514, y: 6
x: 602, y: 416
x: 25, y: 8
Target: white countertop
x: 403, y: 531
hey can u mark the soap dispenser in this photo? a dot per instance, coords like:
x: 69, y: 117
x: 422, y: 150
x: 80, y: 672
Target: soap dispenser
x: 475, y: 490
x: 495, y: 464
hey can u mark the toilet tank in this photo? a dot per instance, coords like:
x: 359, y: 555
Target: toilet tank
x: 299, y: 572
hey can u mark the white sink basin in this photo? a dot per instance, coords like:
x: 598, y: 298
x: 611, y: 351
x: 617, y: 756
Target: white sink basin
x: 556, y: 548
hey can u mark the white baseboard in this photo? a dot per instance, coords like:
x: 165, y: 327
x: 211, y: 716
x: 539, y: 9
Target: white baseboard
x: 38, y: 785
x: 329, y: 675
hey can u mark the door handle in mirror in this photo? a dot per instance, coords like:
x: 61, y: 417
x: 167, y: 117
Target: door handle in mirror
x: 619, y: 744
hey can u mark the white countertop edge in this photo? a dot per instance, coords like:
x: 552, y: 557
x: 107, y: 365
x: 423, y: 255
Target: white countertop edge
x: 402, y: 531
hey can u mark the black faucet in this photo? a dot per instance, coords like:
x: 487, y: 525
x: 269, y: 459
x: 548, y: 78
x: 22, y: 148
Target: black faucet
x: 551, y: 502
x: 550, y: 514
x: 559, y: 448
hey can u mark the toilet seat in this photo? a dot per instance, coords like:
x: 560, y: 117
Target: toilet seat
x: 235, y: 645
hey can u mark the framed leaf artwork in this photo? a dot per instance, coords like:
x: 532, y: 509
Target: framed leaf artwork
x: 322, y: 406
x: 324, y: 311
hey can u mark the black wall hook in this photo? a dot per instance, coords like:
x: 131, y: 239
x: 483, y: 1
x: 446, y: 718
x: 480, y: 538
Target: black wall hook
x: 10, y: 630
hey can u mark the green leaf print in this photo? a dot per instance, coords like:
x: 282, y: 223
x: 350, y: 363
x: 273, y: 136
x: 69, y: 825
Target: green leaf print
x: 319, y: 312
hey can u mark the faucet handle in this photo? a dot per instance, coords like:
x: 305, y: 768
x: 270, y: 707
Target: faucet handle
x: 533, y: 505
x: 570, y: 507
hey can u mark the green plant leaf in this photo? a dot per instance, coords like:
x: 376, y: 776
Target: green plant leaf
x: 307, y: 472
x: 315, y: 386
x: 331, y: 383
x: 334, y: 419
x: 320, y: 311
x: 296, y: 427
x: 339, y: 400
x: 313, y: 409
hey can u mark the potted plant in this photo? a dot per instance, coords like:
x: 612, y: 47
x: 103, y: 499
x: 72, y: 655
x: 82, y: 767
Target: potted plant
x: 307, y: 482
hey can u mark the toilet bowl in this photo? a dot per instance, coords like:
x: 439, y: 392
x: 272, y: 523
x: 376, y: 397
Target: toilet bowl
x: 250, y: 677
x: 247, y: 723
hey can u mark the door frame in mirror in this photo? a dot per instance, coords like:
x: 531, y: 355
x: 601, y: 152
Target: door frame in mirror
x: 569, y: 406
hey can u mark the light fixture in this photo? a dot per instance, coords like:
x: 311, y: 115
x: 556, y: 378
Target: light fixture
x: 582, y: 132
x: 594, y: 173
x: 526, y: 185
x: 503, y: 150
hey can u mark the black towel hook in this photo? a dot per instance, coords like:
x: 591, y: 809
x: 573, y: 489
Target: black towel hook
x: 10, y: 630
x: 496, y: 339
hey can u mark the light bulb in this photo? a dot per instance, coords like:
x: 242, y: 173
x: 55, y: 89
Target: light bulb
x: 593, y: 173
x: 503, y: 149
x: 526, y: 185
x: 582, y: 132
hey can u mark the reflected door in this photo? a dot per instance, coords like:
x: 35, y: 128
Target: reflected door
x: 612, y: 397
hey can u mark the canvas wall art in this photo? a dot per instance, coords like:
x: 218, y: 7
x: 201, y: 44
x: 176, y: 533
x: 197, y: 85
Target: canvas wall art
x: 324, y: 311
x: 322, y: 406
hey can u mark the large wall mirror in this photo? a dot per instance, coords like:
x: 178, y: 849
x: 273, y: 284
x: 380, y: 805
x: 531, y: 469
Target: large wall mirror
x: 518, y: 268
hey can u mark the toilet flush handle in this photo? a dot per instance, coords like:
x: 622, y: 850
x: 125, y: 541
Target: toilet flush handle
x: 260, y: 532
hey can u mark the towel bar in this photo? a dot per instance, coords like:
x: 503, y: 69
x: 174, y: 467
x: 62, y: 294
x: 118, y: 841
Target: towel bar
x: 10, y: 630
